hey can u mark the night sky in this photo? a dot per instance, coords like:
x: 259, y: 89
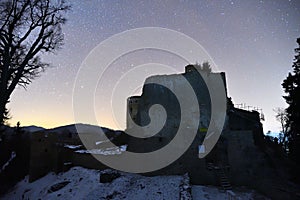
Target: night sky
x: 252, y: 41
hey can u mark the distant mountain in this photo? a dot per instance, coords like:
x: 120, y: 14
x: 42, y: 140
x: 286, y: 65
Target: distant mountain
x: 67, y: 130
x: 72, y: 128
x: 6, y: 129
x: 32, y: 128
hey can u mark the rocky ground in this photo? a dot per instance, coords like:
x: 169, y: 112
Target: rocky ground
x: 81, y: 183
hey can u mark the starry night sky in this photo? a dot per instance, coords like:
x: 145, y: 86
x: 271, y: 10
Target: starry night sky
x: 252, y: 41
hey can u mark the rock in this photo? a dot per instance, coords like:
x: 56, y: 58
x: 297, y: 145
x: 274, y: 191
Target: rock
x: 108, y: 177
x: 58, y: 186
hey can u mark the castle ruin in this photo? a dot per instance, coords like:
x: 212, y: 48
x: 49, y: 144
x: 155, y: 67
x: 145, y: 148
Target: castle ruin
x: 241, y: 133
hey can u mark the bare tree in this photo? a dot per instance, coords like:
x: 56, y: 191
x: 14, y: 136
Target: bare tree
x: 28, y: 28
x: 281, y: 116
x: 204, y: 67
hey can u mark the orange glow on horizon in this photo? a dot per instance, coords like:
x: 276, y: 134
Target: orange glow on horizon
x: 48, y: 123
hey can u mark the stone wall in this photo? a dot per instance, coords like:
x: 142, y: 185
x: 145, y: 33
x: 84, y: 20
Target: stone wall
x: 132, y: 111
x: 236, y: 151
x: 48, y: 152
x: 156, y: 91
x: 243, y: 120
x: 159, y: 90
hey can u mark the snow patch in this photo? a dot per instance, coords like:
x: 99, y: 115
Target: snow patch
x: 72, y: 146
x: 84, y: 184
x: 100, y: 142
x: 81, y: 183
x: 107, y: 151
x: 12, y: 156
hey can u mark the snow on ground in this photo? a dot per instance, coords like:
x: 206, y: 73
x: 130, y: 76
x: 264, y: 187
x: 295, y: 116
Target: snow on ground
x: 209, y: 192
x: 12, y: 156
x: 81, y: 183
x: 107, y: 151
x: 72, y: 146
x: 84, y: 184
x: 103, y: 141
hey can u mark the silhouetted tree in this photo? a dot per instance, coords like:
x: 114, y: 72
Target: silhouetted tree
x: 204, y: 67
x: 281, y: 116
x: 28, y: 28
x: 291, y: 87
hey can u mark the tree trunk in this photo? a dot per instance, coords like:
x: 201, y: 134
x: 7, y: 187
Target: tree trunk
x: 2, y: 115
x: 2, y: 109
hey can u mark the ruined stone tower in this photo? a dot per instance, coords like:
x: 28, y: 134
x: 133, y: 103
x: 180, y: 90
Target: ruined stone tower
x: 241, y: 130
